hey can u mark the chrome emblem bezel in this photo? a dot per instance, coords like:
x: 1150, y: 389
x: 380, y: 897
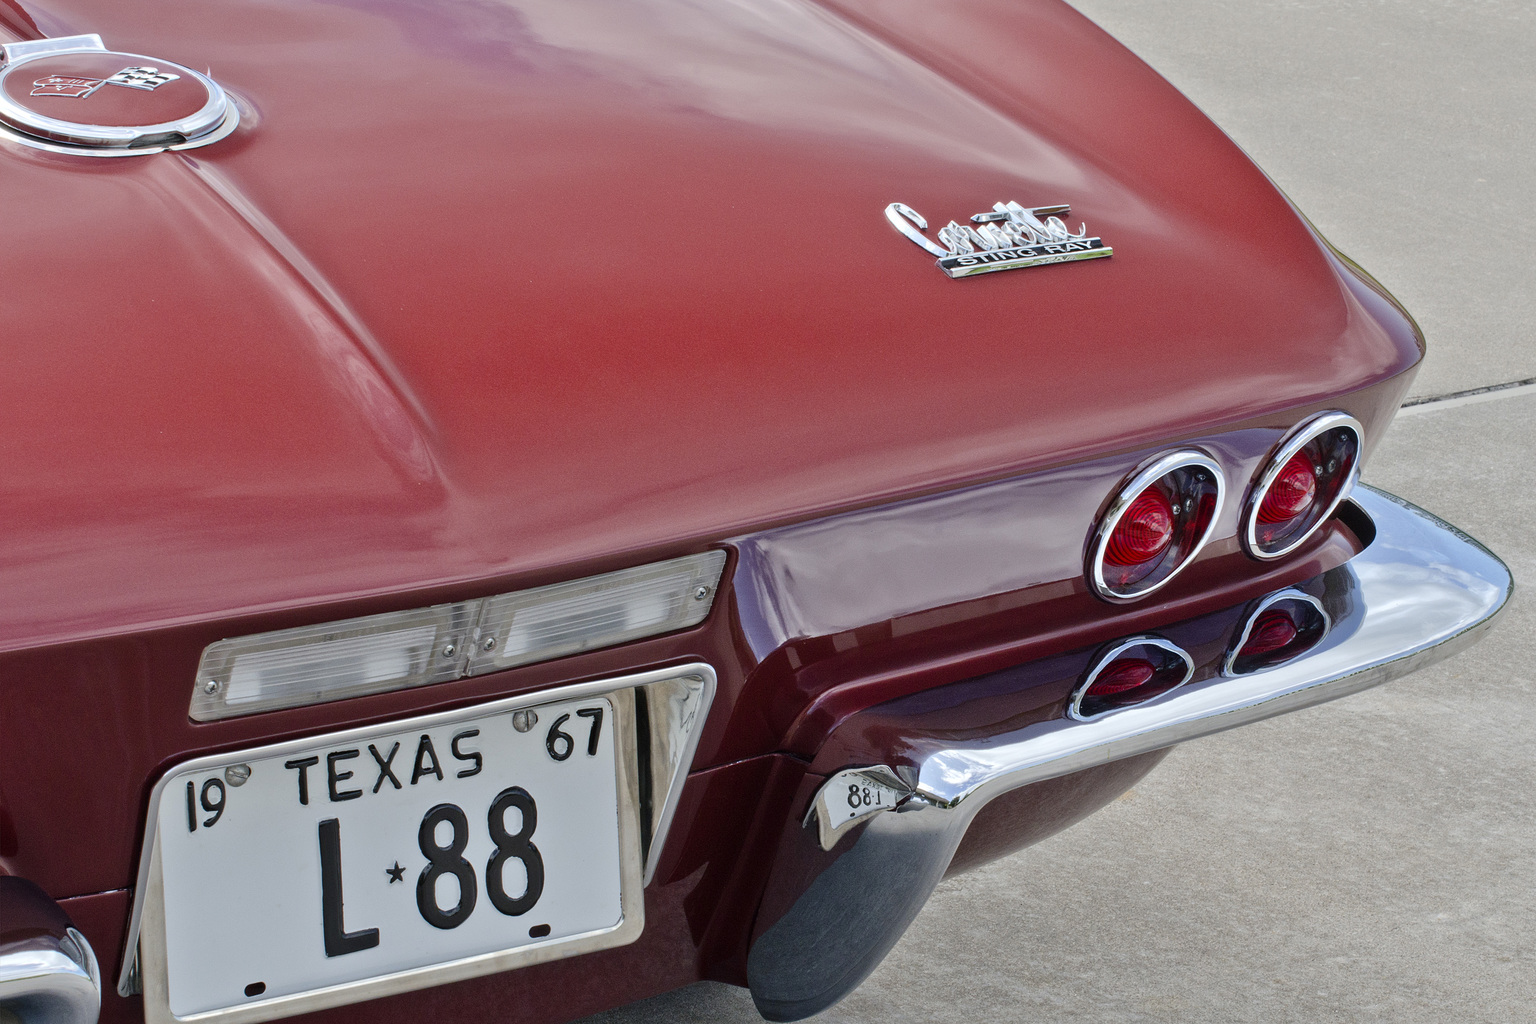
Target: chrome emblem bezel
x: 215, y: 119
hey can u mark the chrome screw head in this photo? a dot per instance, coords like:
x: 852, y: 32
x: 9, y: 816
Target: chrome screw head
x: 488, y: 644
x: 211, y: 686
x: 700, y: 593
x: 522, y: 721
x: 236, y: 774
x: 450, y: 649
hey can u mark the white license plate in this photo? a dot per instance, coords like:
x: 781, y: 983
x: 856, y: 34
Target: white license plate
x: 381, y: 852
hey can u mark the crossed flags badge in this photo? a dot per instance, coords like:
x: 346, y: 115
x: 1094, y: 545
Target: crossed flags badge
x: 147, y: 79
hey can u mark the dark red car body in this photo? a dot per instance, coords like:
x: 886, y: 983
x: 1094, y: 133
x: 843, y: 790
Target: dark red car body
x: 481, y: 297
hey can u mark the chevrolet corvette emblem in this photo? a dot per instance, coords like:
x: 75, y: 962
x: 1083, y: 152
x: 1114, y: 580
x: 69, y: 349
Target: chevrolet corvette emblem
x: 1010, y: 236
x: 147, y: 79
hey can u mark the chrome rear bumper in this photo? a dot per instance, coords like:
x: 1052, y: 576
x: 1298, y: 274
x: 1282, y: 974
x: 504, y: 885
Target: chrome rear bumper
x: 1420, y: 591
x: 48, y: 972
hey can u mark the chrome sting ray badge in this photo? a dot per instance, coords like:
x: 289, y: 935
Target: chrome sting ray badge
x: 1009, y: 237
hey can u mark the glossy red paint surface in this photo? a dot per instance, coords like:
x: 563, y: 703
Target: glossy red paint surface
x: 637, y: 294
x: 482, y: 297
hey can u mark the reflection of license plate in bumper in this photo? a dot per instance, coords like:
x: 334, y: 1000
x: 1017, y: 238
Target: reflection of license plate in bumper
x: 399, y: 849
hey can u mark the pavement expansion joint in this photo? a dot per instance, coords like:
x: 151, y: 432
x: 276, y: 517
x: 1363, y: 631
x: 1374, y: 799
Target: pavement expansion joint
x: 1472, y: 396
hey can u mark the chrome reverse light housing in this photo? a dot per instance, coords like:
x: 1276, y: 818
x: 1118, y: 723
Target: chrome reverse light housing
x: 1131, y: 672
x: 1313, y: 470
x: 1155, y: 526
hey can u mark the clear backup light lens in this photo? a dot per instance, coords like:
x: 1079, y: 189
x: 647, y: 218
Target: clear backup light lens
x: 377, y: 653
x: 534, y: 625
x: 1131, y: 672
x: 1301, y: 485
x: 310, y: 664
x: 1155, y: 526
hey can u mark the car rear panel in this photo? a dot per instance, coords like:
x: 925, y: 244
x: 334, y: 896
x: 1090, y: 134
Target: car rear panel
x: 482, y: 298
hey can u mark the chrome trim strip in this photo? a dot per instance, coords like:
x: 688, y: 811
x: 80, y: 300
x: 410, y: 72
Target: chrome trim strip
x: 1141, y: 481
x: 1074, y: 708
x: 12, y: 53
x: 48, y: 971
x: 678, y: 701
x: 223, y: 130
x: 1288, y: 594
x: 679, y: 706
x: 1419, y: 593
x: 1296, y: 442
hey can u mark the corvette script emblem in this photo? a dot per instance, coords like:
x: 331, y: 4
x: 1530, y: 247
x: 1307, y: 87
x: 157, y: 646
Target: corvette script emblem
x: 147, y: 79
x: 1008, y: 237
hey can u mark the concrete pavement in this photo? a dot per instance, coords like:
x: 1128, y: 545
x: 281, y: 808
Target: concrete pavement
x: 1405, y: 129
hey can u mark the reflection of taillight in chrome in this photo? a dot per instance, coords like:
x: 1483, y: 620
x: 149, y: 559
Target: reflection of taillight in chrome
x: 1282, y: 627
x: 1301, y: 485
x: 1131, y: 672
x: 1154, y: 526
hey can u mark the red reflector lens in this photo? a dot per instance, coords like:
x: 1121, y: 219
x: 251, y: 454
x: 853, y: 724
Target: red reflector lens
x: 1134, y: 672
x: 1292, y: 492
x: 1272, y: 631
x: 1143, y: 532
x: 1122, y: 676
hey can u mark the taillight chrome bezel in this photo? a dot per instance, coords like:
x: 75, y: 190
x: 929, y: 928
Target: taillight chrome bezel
x: 1298, y: 439
x: 1113, y: 654
x: 1187, y: 460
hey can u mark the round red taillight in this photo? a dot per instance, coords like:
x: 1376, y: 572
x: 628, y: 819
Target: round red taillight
x: 1292, y: 493
x: 1282, y: 627
x: 1301, y: 485
x: 1145, y: 530
x: 1130, y: 672
x: 1154, y: 526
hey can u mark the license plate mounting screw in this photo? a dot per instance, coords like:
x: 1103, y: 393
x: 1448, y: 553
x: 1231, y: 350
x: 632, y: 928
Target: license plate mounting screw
x: 236, y: 774
x: 522, y: 721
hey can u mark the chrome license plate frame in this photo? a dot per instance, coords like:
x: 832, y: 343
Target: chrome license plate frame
x: 150, y: 972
